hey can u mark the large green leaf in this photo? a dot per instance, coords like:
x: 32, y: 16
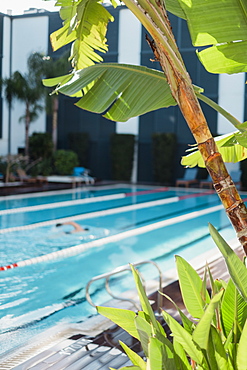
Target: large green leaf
x: 184, y: 338
x: 219, y: 59
x: 231, y: 154
x: 180, y: 356
x: 124, y: 318
x: 233, y: 309
x: 187, y: 324
x: 174, y: 7
x: 145, y: 332
x: 134, y: 357
x: 237, y: 269
x: 124, y: 90
x: 160, y: 356
x: 216, y: 351
x: 191, y: 286
x: 201, y: 332
x: 221, y: 25
x: 85, y: 23
x: 242, y: 353
x: 147, y: 309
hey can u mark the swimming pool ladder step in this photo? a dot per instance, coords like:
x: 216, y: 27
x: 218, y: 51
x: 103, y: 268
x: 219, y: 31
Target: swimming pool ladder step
x: 119, y: 270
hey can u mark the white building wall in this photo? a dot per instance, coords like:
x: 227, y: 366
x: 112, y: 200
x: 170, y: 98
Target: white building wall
x: 129, y: 52
x: 232, y: 99
x: 30, y: 34
x: 5, y: 73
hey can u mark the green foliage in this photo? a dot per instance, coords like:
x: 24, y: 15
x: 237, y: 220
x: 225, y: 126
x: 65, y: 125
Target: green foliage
x: 214, y: 338
x: 122, y: 153
x: 225, y: 38
x: 40, y: 145
x: 43, y: 167
x: 120, y: 98
x: 65, y: 161
x: 41, y: 150
x: 79, y: 143
x: 228, y: 147
x: 164, y: 145
x: 84, y: 24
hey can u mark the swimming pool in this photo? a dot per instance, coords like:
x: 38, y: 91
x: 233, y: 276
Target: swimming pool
x: 126, y: 224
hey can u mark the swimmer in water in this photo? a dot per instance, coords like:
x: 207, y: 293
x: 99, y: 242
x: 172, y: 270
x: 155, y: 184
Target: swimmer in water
x: 77, y: 228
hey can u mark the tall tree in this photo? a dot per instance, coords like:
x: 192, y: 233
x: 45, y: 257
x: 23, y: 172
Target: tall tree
x: 48, y: 67
x: 28, y: 89
x: 113, y: 85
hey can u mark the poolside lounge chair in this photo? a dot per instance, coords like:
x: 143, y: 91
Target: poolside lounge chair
x: 188, y: 179
x: 22, y: 176
x: 207, y: 183
x: 80, y: 176
x: 84, y: 174
x: 235, y: 175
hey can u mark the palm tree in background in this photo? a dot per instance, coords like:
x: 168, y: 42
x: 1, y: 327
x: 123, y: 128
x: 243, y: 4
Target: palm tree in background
x: 48, y: 67
x: 27, y: 88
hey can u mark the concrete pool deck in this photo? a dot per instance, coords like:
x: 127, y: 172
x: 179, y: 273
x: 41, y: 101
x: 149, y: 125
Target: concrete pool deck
x: 93, y: 344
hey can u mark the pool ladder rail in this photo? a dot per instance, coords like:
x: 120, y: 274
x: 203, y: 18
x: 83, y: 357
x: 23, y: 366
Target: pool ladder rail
x: 119, y: 270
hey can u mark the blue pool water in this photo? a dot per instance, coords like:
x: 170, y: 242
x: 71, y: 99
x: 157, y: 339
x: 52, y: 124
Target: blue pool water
x: 38, y: 296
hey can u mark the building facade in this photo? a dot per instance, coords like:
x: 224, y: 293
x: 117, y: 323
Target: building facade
x: 22, y: 35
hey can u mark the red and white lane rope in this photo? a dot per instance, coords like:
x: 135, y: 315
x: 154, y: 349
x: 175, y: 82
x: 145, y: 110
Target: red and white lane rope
x: 72, y: 251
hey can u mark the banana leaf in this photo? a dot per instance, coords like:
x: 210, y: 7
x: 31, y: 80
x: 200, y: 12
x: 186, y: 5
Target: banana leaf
x: 231, y: 154
x: 220, y: 27
x: 85, y: 24
x: 123, y: 90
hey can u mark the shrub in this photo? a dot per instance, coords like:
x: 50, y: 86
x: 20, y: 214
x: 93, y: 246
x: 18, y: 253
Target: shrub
x: 44, y: 168
x: 65, y: 161
x: 122, y: 154
x: 164, y: 145
x: 40, y: 145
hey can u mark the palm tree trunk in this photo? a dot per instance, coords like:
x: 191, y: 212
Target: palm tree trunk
x: 166, y: 52
x: 55, y: 105
x: 27, y: 124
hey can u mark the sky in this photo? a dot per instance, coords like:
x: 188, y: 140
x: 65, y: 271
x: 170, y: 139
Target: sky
x: 18, y: 6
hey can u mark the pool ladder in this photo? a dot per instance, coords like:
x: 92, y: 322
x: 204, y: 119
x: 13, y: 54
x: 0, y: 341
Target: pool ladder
x: 119, y: 270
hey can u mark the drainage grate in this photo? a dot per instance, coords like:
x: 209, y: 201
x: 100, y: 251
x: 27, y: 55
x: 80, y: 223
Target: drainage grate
x: 82, y: 352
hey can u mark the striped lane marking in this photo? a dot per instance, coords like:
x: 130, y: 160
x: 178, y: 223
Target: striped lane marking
x: 72, y: 251
x: 86, y: 216
x: 68, y: 203
x: 103, y: 212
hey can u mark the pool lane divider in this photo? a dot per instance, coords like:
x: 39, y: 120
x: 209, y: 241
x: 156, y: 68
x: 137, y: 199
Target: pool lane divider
x: 75, y: 202
x: 102, y: 213
x: 75, y: 250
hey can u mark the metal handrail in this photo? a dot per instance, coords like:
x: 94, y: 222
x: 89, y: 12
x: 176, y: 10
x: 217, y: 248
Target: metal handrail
x: 118, y: 270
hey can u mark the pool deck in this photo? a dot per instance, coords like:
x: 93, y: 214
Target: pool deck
x: 93, y: 344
